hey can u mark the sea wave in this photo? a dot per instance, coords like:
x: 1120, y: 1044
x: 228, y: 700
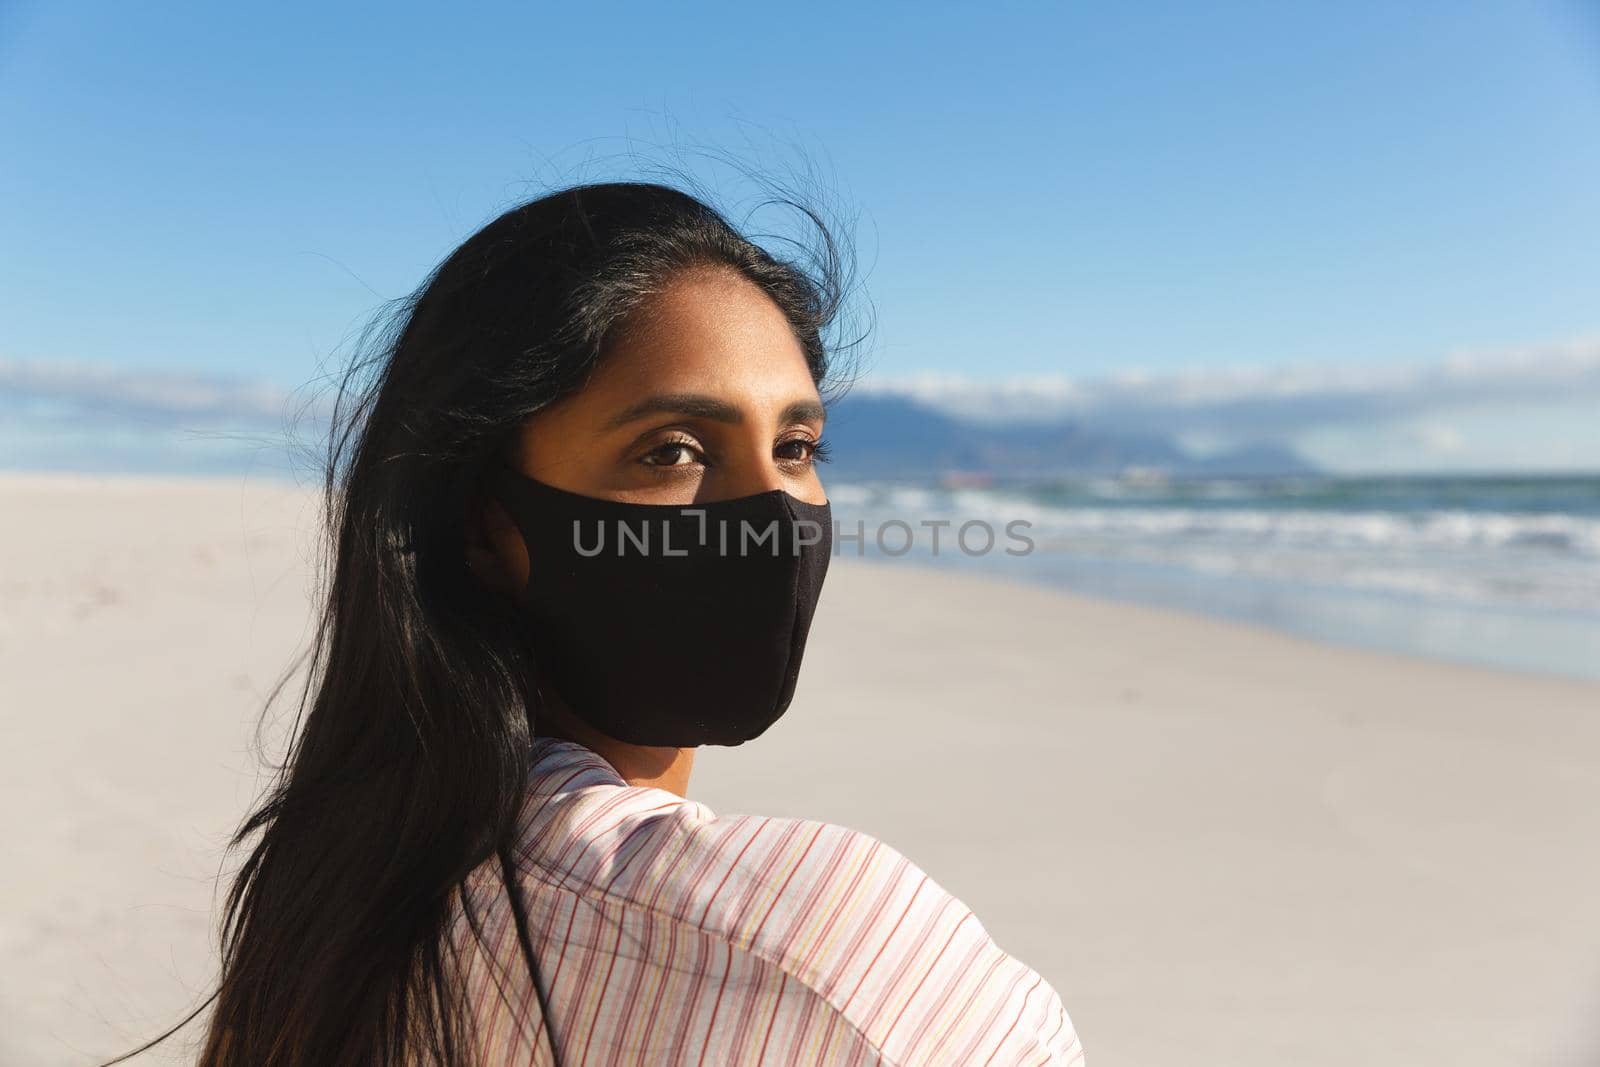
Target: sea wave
x: 1539, y: 560
x: 1452, y: 529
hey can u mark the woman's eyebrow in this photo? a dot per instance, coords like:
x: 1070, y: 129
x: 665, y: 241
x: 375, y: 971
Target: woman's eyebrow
x: 803, y: 411
x: 698, y: 405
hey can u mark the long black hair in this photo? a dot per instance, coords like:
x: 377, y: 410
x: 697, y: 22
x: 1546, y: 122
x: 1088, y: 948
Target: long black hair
x: 409, y: 759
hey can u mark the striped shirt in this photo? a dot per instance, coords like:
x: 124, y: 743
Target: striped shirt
x: 667, y: 934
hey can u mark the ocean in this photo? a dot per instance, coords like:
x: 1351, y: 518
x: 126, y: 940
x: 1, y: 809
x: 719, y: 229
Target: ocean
x: 1502, y: 571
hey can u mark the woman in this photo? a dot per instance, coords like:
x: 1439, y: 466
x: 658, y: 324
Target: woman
x: 578, y: 531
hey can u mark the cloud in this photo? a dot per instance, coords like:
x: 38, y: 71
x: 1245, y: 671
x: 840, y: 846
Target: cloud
x: 1271, y: 401
x: 61, y: 391
x: 1260, y: 402
x: 1437, y: 439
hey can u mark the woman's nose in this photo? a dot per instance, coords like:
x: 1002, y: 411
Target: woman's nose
x: 750, y: 473
x: 749, y: 485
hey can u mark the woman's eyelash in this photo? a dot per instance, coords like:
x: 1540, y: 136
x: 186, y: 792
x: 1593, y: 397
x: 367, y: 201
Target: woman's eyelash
x: 815, y: 451
x: 677, y: 447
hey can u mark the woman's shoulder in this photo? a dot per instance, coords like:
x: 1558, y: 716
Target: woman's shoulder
x: 835, y: 909
x: 584, y: 828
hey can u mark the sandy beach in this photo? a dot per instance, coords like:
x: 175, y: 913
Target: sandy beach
x: 1220, y: 844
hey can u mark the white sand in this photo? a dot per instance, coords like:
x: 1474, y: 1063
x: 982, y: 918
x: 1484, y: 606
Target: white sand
x: 1221, y: 845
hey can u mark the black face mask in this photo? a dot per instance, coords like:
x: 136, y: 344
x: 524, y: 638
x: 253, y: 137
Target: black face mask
x: 666, y: 624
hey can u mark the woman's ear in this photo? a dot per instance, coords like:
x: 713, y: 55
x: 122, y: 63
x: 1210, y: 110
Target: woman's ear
x: 496, y: 554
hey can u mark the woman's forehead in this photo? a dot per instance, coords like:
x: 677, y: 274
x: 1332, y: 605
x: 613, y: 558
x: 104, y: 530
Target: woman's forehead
x: 710, y: 334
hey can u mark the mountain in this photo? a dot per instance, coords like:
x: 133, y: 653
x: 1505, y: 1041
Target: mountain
x: 879, y: 436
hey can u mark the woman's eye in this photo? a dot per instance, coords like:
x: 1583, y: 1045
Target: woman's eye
x: 672, y: 454
x: 801, y: 450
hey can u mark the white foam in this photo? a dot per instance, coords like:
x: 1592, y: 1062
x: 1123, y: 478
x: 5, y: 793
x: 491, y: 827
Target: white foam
x: 1521, y: 559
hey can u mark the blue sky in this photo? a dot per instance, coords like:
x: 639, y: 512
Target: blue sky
x: 1055, y: 193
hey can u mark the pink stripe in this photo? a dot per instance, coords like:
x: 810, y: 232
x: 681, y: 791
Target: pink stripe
x: 1014, y: 1022
x: 884, y: 945
x: 903, y: 971
x: 932, y: 969
x: 711, y: 1027
x: 772, y: 1020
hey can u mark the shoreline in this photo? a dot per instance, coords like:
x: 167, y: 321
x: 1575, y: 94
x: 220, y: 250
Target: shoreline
x: 1325, y: 627
x: 1094, y: 601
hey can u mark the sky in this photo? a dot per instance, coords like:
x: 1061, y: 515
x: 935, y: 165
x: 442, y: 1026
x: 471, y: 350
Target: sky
x: 1054, y: 206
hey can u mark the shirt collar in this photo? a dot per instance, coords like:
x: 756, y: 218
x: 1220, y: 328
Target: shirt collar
x: 562, y: 766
